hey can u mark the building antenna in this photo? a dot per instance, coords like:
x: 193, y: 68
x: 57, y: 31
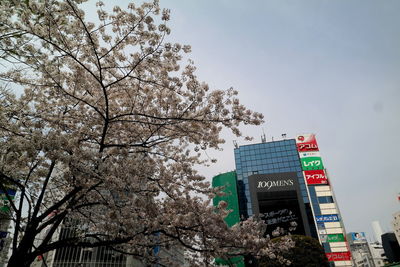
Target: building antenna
x: 235, y: 144
x: 263, y: 138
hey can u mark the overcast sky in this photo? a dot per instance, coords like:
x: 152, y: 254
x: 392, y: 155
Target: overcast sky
x: 326, y: 67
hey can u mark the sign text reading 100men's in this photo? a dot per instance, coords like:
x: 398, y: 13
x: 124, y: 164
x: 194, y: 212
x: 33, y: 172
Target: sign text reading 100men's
x: 278, y: 183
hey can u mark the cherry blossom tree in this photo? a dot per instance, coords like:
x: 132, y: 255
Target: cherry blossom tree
x: 108, y: 131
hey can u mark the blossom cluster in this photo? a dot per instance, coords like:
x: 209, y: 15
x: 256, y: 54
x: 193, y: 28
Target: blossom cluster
x: 108, y: 131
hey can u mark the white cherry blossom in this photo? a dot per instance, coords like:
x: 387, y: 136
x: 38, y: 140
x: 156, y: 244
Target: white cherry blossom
x: 108, y: 131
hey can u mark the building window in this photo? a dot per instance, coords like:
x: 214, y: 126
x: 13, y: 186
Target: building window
x: 326, y: 199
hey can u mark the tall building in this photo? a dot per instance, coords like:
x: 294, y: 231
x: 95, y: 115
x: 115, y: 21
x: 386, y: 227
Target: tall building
x: 376, y: 226
x: 285, y: 183
x: 360, y: 250
x: 378, y: 254
x: 396, y: 225
x: 391, y: 247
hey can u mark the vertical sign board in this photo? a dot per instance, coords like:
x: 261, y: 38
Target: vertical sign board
x: 338, y: 256
x: 306, y: 142
x: 311, y: 160
x: 312, y: 163
x: 327, y: 218
x: 332, y: 238
x: 316, y: 177
x: 335, y: 238
x: 309, y: 154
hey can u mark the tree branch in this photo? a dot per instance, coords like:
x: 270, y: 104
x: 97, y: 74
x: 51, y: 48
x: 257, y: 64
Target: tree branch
x: 44, y: 186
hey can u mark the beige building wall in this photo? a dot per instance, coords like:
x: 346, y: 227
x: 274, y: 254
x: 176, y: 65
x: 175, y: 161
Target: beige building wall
x: 396, y: 225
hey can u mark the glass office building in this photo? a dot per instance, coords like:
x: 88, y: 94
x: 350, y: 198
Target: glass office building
x: 270, y: 158
x: 265, y: 158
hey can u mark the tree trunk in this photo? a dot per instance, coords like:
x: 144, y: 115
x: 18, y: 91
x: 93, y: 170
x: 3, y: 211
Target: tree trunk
x: 20, y: 259
x: 22, y: 256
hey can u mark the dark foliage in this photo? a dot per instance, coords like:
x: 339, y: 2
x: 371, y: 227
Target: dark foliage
x: 306, y: 253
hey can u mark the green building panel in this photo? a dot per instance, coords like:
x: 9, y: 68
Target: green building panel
x: 229, y: 182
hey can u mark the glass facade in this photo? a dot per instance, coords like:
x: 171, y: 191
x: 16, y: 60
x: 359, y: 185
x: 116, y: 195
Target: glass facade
x: 267, y: 158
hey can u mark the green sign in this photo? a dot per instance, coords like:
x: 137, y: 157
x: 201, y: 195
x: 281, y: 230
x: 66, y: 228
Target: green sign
x: 5, y: 209
x: 335, y: 238
x: 312, y: 163
x: 235, y: 261
x: 4, y: 197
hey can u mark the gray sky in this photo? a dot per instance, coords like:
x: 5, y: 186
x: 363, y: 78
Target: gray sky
x: 325, y: 67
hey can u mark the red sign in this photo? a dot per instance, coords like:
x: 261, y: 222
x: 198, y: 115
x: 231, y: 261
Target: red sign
x: 315, y: 177
x: 306, y: 142
x: 339, y: 256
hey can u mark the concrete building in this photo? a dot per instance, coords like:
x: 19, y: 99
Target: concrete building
x: 365, y: 254
x: 78, y: 256
x: 378, y: 254
x: 286, y: 183
x: 101, y: 256
x: 361, y: 250
x: 396, y: 225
